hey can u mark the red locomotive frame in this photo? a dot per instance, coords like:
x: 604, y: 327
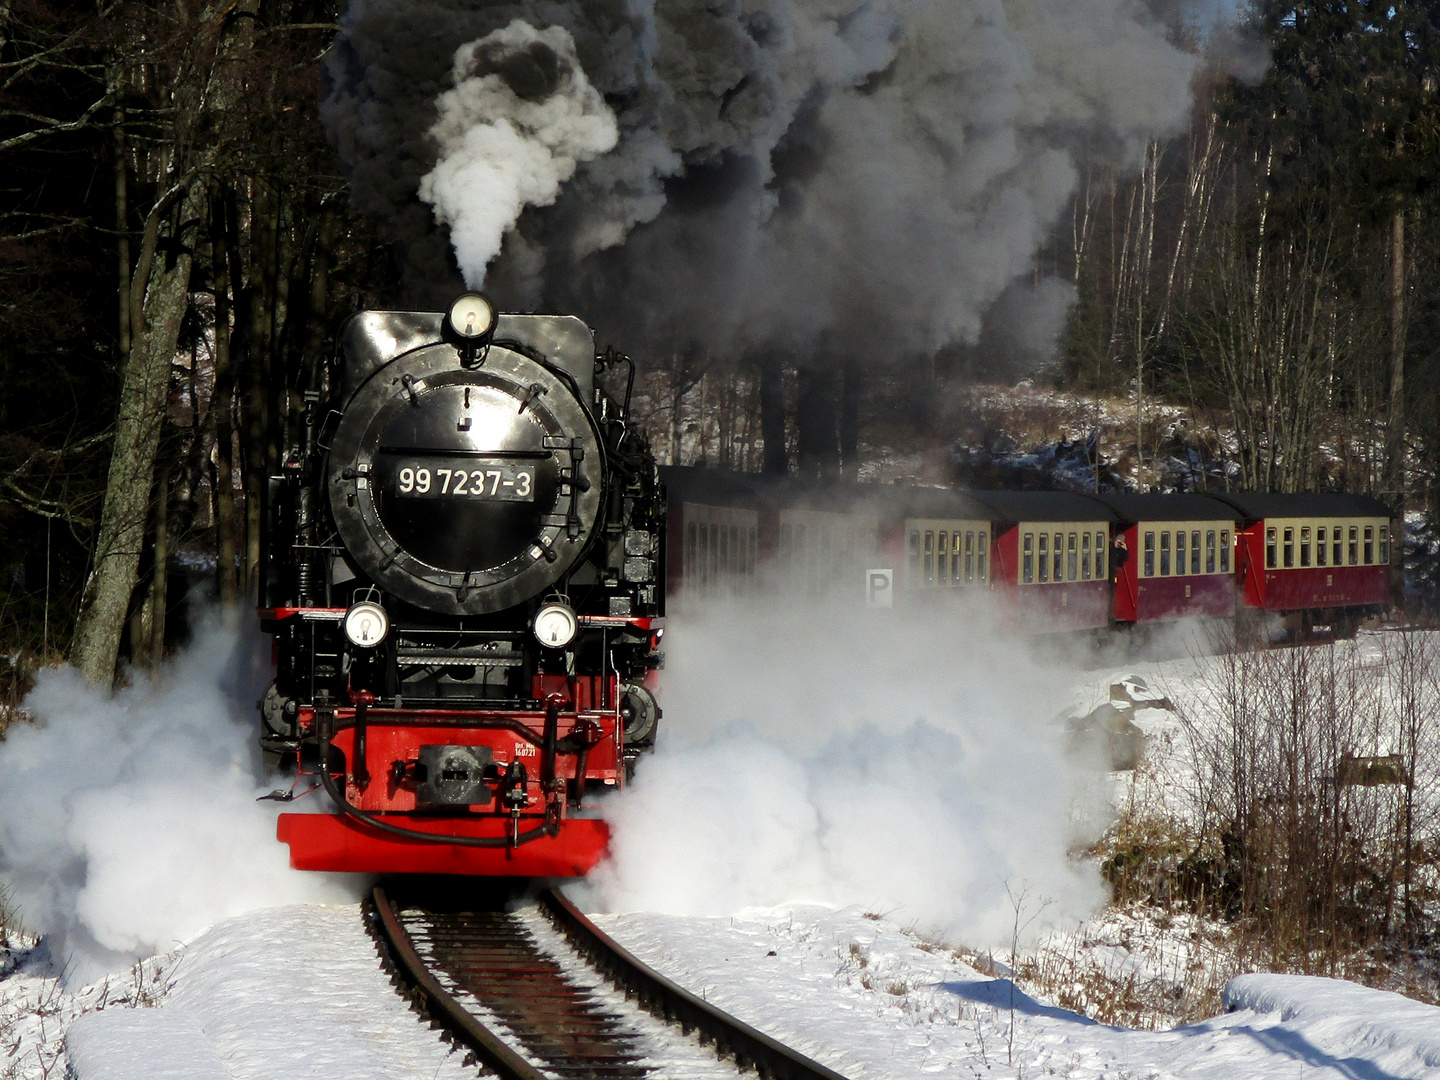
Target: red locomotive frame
x: 549, y: 830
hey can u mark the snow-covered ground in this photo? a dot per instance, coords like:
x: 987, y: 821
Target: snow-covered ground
x: 295, y: 991
x: 298, y: 991
x: 870, y: 1000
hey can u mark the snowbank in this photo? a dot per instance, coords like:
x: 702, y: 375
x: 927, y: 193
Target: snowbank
x: 142, y: 1044
x: 293, y: 991
x: 1341, y: 1019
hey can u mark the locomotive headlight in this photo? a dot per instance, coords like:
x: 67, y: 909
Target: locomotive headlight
x: 366, y: 624
x: 472, y: 318
x: 555, y: 626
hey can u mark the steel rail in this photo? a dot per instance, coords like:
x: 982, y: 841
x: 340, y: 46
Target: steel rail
x: 658, y: 995
x: 674, y: 1004
x: 433, y: 998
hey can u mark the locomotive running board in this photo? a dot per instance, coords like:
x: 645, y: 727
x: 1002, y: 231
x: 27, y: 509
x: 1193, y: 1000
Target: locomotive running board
x: 330, y: 842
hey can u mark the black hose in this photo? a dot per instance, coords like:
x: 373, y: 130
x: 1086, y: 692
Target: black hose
x: 547, y: 829
x: 629, y: 390
x: 362, y: 771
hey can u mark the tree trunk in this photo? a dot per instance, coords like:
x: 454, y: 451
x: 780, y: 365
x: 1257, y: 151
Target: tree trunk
x: 221, y: 407
x: 816, y: 415
x: 776, y: 460
x: 258, y: 405
x: 850, y: 421
x: 122, y: 229
x: 160, y: 581
x: 1395, y: 422
x: 143, y: 398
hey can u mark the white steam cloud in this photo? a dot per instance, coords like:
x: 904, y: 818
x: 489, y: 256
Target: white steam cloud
x: 518, y: 121
x: 788, y: 174
x: 900, y: 763
x: 129, y: 824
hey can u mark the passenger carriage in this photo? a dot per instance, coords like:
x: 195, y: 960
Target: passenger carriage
x: 735, y: 535
x: 939, y: 542
x: 1325, y: 555
x: 714, y: 534
x: 1050, y: 559
x: 1173, y: 557
x: 1046, y: 559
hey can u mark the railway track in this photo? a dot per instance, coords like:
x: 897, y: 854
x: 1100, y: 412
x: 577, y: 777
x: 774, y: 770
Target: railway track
x: 497, y: 982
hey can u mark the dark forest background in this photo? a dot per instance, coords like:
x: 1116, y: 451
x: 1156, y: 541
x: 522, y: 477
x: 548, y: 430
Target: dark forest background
x: 177, y: 251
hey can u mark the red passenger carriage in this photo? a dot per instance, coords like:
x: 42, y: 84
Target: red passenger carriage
x: 1173, y: 557
x: 1314, y: 557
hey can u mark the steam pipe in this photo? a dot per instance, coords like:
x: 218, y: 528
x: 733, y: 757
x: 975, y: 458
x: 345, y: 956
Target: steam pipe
x: 361, y: 770
x: 547, y: 744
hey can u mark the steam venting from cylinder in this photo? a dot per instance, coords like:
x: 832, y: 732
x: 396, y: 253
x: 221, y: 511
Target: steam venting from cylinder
x: 749, y: 174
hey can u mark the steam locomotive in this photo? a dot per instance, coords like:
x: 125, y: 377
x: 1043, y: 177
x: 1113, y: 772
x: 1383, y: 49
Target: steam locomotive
x: 463, y: 573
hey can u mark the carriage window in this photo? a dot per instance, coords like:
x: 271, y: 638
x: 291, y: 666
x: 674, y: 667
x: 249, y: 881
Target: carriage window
x: 1149, y: 554
x: 716, y: 534
x: 1085, y: 557
x: 1369, y: 544
x: 1321, y: 547
x: 942, y: 559
x: 690, y: 566
x: 1209, y: 551
x: 1384, y: 544
x: 1059, y: 555
x: 1305, y: 545
x: 1354, y: 546
x: 722, y: 561
x: 1337, y: 546
x: 1195, y: 551
x: 929, y: 557
x: 914, y: 552
x: 703, y: 554
x: 1164, y: 554
x: 1225, y: 550
x: 1099, y: 555
x: 969, y: 557
x: 1044, y: 556
x: 1289, y: 548
x: 955, y: 555
x: 1270, y: 560
x: 983, y: 540
x: 1072, y: 559
x: 1027, y: 564
x: 1180, y: 551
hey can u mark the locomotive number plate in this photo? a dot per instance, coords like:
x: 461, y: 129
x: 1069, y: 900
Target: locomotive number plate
x: 462, y: 480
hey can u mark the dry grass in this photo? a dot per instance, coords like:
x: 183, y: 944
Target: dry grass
x: 17, y: 678
x: 1157, y: 979
x: 1261, y: 855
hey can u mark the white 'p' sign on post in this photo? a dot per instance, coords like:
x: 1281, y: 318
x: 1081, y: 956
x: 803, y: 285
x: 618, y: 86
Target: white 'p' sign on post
x: 880, y: 588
